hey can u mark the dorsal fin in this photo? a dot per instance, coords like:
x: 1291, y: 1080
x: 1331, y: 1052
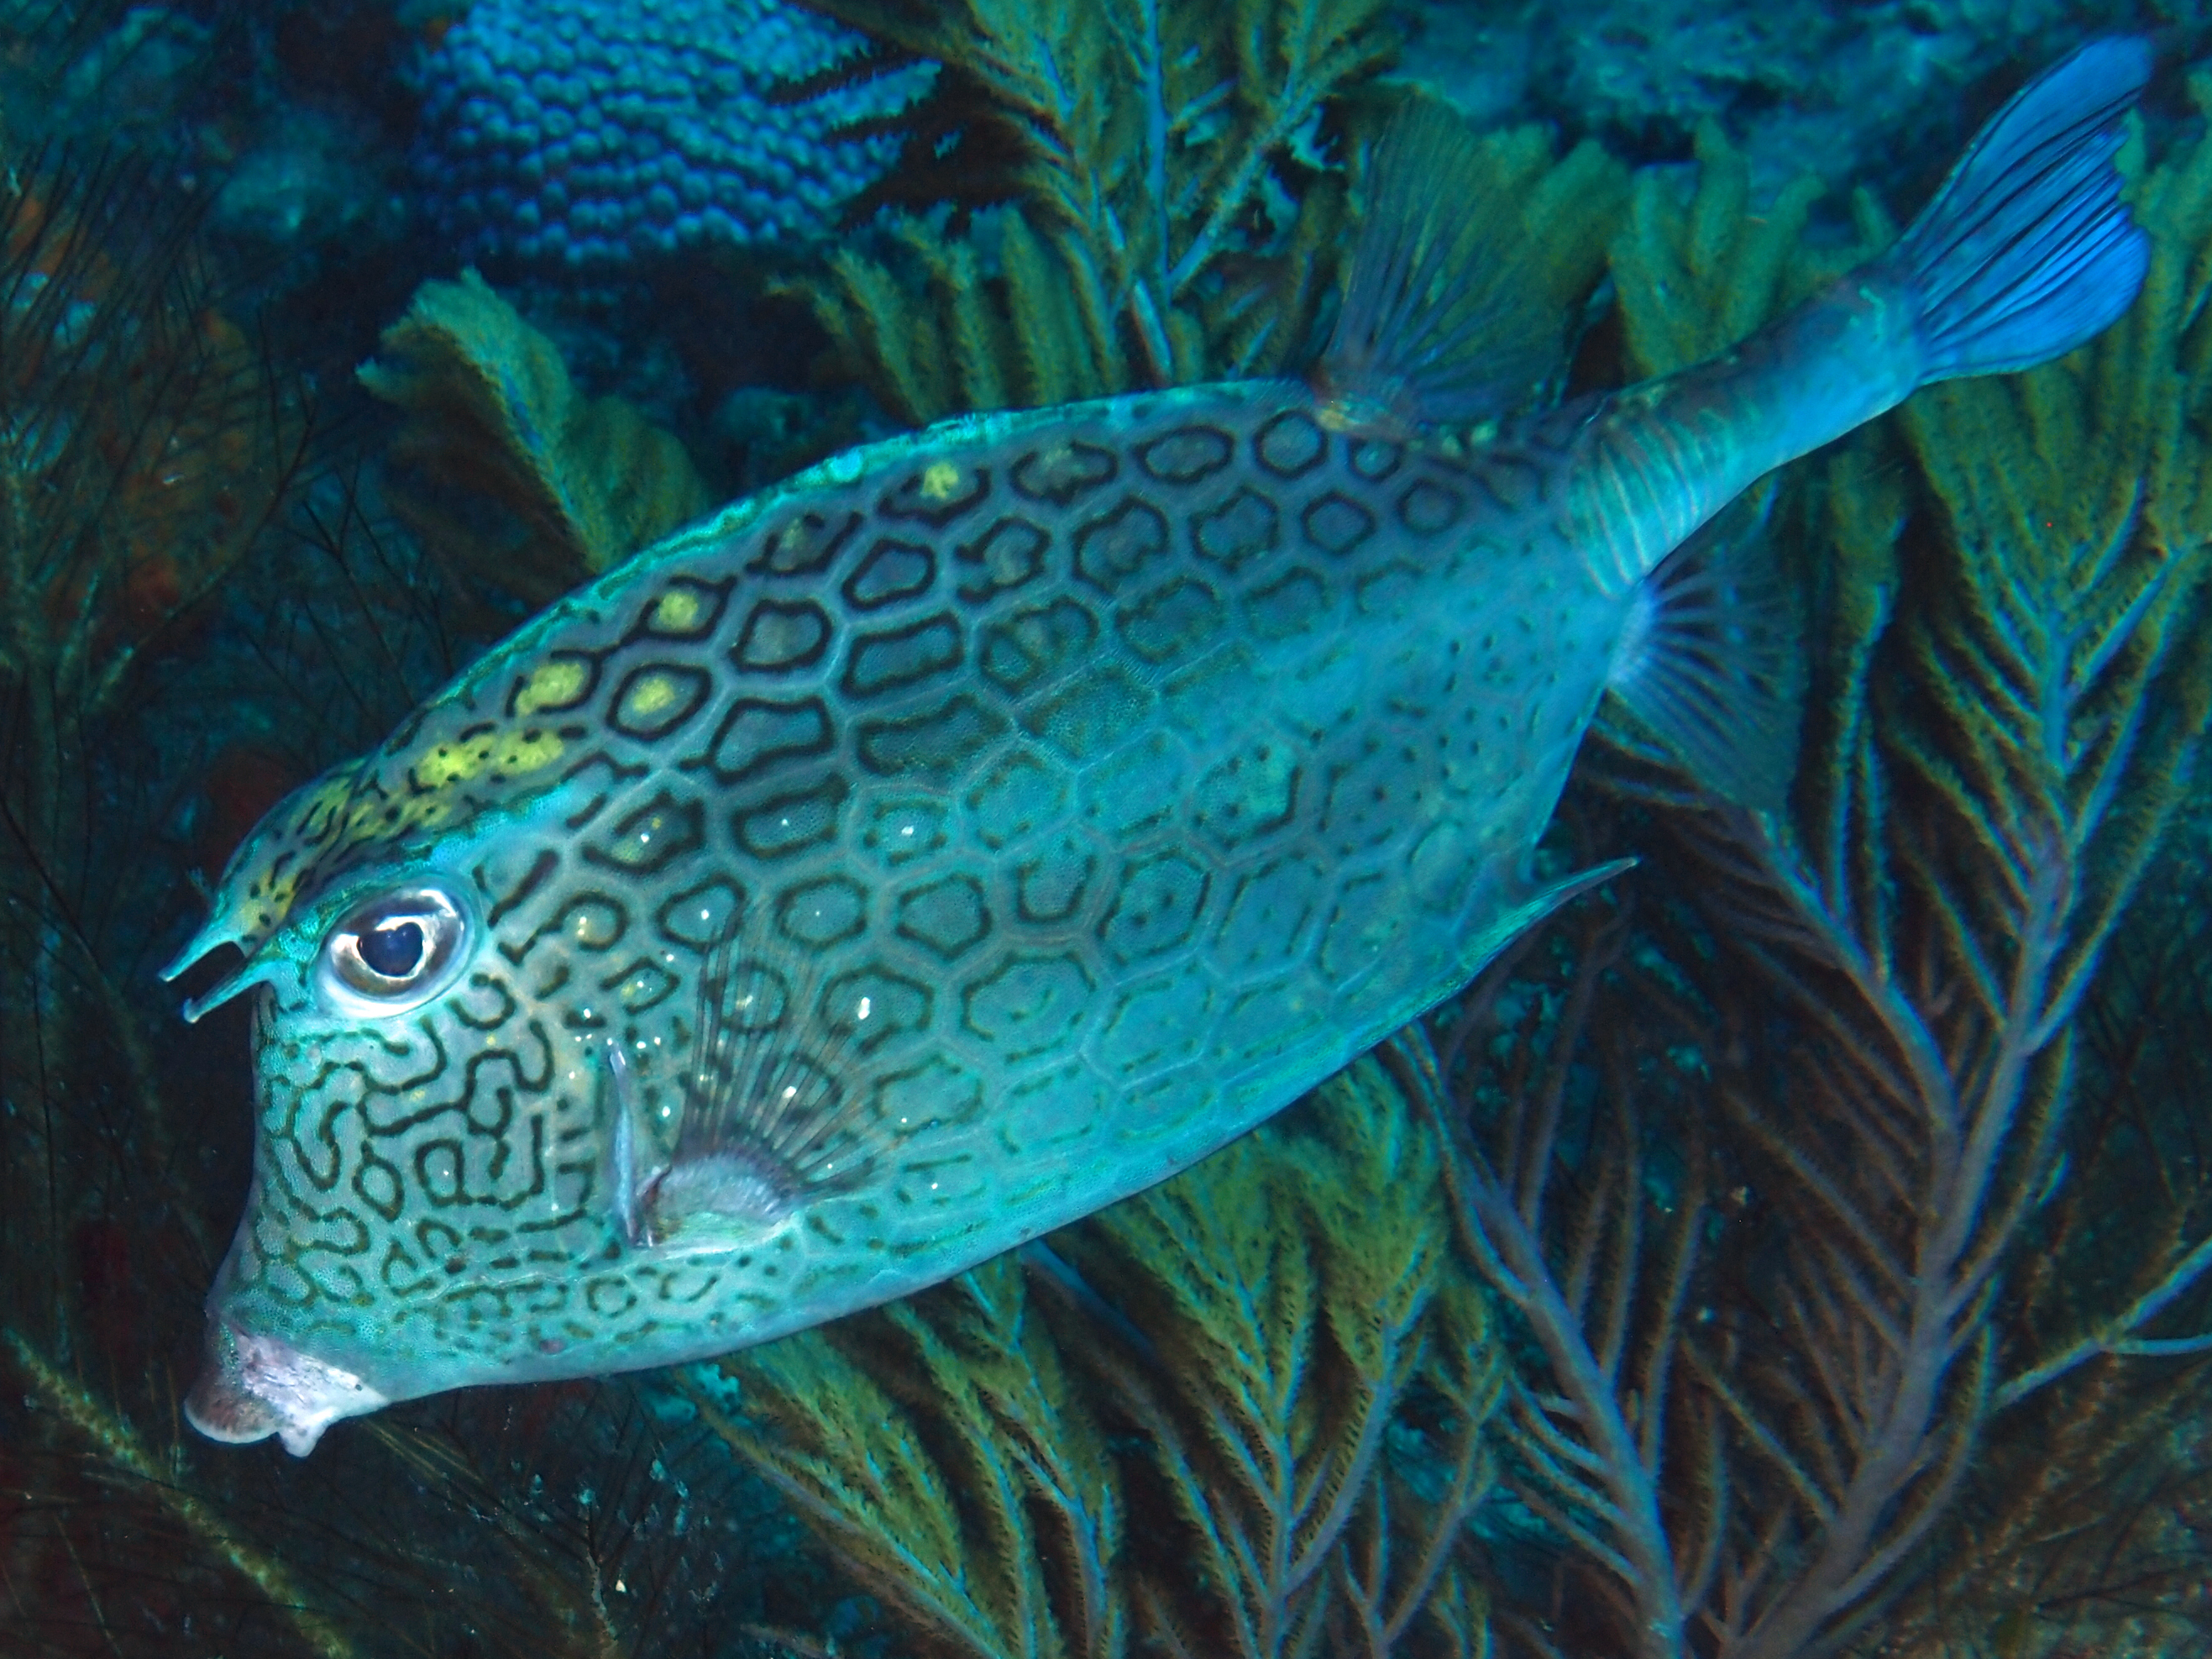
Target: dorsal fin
x: 1444, y: 317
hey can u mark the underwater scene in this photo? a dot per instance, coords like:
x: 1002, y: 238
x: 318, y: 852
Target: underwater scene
x: 1095, y: 828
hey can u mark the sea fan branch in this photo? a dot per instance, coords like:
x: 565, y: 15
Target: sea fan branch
x: 1995, y: 747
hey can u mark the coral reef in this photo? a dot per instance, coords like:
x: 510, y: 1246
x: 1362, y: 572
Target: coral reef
x: 1788, y: 1156
x: 2082, y: 1528
x: 147, y: 449
x: 1238, y: 1415
x: 199, y: 602
x: 100, y: 70
x: 554, y: 487
x: 1841, y: 1169
x: 1173, y: 209
x: 1865, y: 94
x: 572, y: 1521
x: 1765, y: 1238
x: 586, y: 135
x: 957, y: 339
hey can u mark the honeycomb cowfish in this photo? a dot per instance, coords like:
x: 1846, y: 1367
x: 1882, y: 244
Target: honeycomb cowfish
x: 992, y: 821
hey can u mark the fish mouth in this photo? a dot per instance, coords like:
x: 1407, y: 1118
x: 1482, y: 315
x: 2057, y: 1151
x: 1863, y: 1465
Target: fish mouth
x: 251, y: 1387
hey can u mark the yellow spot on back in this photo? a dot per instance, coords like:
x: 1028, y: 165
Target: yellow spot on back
x: 553, y: 684
x: 649, y: 695
x: 939, y: 480
x: 526, y: 751
x: 1348, y: 412
x: 675, y: 612
x: 450, y: 763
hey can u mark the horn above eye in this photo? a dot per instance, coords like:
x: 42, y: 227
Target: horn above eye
x: 393, y: 953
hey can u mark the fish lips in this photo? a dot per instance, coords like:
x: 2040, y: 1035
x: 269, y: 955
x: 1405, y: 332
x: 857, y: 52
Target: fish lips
x: 251, y: 1387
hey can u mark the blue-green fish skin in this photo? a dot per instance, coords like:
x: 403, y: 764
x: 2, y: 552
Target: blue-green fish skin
x: 966, y: 833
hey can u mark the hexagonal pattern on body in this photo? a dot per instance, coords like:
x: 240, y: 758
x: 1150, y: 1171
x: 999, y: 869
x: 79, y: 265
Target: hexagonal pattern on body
x: 967, y: 834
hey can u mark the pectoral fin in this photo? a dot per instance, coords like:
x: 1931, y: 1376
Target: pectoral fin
x: 1710, y: 664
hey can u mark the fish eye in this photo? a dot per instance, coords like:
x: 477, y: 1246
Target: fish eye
x: 393, y: 953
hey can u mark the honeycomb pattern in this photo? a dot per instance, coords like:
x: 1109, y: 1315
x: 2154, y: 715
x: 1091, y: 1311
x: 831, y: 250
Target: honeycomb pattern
x: 1030, y: 807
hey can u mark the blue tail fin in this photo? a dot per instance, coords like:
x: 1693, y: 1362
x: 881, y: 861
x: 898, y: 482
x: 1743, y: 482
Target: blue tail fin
x: 2026, y: 251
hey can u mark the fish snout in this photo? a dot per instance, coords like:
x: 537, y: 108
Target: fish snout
x: 251, y: 1387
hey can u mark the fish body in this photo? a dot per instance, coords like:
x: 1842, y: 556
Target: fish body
x: 969, y: 832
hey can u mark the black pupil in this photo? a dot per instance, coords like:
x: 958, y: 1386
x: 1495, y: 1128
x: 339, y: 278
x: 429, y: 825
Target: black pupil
x: 393, y: 949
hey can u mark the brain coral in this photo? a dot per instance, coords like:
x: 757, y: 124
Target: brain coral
x: 585, y: 133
